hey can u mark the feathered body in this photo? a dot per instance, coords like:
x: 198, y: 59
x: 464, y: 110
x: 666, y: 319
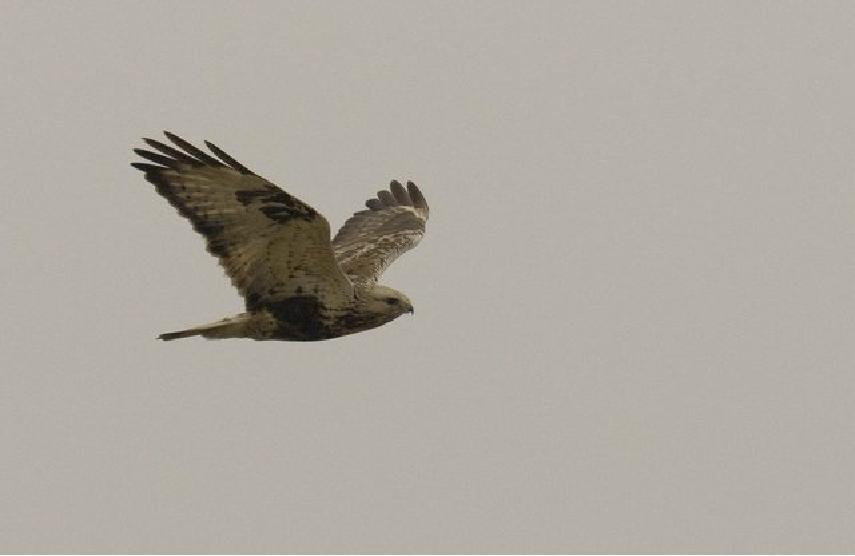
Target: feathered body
x: 298, y: 284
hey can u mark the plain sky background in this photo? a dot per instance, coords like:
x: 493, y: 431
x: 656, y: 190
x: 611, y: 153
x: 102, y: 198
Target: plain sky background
x: 635, y: 300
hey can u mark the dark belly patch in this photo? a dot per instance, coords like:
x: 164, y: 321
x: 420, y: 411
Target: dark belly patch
x: 300, y: 318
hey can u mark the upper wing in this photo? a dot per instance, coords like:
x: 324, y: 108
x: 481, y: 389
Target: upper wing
x: 371, y: 239
x: 271, y: 244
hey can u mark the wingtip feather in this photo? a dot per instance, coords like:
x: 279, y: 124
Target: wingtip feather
x: 146, y: 167
x: 400, y: 193
x: 386, y: 198
x: 419, y: 200
x: 228, y: 159
x: 192, y: 150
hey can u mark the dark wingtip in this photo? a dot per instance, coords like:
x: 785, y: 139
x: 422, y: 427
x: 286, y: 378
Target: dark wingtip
x: 228, y: 159
x: 419, y: 200
x: 397, y: 195
x: 177, y: 155
x: 146, y: 167
x: 400, y: 193
x: 157, y: 158
x: 386, y: 198
x: 192, y: 150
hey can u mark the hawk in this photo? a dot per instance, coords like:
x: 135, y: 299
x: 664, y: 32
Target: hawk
x: 298, y: 284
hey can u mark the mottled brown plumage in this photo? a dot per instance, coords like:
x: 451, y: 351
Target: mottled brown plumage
x: 297, y: 284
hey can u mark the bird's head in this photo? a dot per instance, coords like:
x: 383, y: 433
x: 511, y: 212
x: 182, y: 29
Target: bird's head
x: 387, y: 301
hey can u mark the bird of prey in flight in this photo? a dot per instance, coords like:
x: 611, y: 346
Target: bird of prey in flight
x: 297, y: 283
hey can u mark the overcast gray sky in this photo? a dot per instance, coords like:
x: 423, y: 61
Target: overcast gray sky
x: 634, y: 325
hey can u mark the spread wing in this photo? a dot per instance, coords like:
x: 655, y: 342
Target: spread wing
x: 372, y: 239
x: 271, y: 244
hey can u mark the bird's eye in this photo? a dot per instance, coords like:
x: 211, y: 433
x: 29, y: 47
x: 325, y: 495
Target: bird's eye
x: 392, y: 301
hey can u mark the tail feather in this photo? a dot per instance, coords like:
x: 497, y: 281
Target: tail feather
x: 167, y: 336
x: 233, y: 327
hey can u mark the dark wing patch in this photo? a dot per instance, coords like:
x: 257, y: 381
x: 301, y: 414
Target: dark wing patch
x: 372, y: 239
x: 269, y: 242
